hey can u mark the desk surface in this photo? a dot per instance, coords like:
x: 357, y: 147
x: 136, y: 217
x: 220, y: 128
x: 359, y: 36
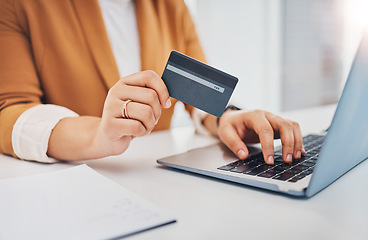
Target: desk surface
x: 206, y: 208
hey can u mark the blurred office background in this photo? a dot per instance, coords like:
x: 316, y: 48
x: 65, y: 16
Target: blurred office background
x: 287, y: 54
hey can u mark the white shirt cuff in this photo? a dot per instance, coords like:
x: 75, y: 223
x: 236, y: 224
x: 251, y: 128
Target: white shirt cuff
x: 32, y: 130
x: 198, y: 116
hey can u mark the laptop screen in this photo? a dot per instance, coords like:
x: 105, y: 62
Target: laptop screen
x: 346, y: 143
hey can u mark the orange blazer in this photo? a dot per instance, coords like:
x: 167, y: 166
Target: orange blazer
x: 58, y: 52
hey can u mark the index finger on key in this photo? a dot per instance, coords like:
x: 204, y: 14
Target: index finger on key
x: 285, y: 129
x: 265, y: 132
x: 151, y: 80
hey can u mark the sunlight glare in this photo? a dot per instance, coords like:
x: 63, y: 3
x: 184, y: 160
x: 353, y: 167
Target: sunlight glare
x: 357, y: 12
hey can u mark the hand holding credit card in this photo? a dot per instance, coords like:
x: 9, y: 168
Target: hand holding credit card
x: 198, y: 84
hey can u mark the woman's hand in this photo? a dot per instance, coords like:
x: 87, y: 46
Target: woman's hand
x: 147, y: 93
x: 236, y: 128
x: 86, y: 137
x: 239, y: 127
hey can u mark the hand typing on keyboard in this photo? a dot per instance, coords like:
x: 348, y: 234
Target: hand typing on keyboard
x: 291, y: 172
x: 239, y: 127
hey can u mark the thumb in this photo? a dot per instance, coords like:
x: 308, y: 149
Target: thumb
x: 231, y: 139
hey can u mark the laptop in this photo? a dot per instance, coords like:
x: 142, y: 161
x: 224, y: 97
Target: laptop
x: 329, y: 155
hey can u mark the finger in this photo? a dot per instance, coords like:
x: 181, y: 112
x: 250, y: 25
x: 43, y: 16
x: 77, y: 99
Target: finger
x: 113, y: 109
x: 231, y: 139
x: 151, y: 80
x: 298, y: 141
x: 116, y: 128
x: 128, y: 127
x: 143, y: 113
x: 142, y: 95
x: 285, y: 130
x: 264, y: 130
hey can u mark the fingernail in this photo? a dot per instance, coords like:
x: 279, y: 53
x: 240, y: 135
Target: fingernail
x: 289, y: 158
x: 299, y: 154
x: 241, y: 154
x: 168, y: 103
x: 270, y: 160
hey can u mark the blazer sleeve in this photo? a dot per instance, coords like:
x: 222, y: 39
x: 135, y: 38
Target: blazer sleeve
x: 19, y: 84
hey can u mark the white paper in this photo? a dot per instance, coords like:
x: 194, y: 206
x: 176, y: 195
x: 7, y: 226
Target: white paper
x: 75, y: 203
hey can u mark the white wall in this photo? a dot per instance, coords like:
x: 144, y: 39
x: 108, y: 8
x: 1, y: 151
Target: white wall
x: 246, y: 39
x: 242, y: 37
x: 356, y: 18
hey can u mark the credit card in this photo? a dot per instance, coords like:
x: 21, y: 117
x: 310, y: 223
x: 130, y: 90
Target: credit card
x: 198, y: 84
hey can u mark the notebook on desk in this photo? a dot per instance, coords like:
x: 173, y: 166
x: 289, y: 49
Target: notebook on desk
x: 329, y: 155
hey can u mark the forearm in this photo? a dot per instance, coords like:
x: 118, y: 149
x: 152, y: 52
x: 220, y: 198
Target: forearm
x: 73, y: 139
x: 82, y: 138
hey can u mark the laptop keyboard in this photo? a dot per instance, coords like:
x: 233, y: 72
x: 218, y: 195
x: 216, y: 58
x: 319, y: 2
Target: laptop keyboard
x: 298, y: 169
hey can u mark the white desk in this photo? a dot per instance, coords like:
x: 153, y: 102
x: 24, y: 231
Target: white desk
x: 212, y: 209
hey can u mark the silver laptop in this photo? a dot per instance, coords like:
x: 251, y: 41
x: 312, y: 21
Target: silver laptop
x: 329, y: 155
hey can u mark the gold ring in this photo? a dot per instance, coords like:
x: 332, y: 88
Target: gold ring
x: 124, y: 111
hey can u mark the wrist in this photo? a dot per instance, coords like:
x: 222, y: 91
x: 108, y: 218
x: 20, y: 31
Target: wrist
x: 75, y: 139
x: 228, y: 108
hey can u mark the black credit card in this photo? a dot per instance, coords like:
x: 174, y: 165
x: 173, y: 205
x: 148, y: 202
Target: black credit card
x: 198, y: 84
